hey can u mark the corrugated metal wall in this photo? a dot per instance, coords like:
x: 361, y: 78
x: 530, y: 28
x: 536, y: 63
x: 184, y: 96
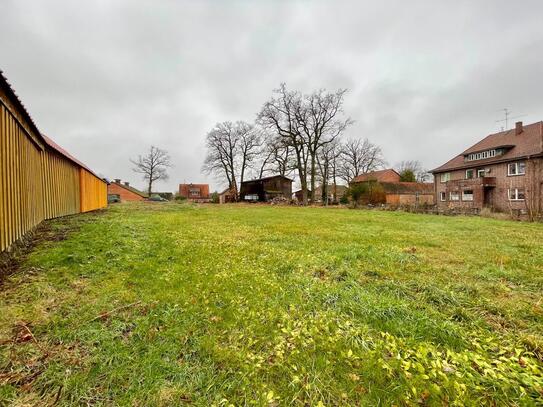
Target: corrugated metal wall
x: 37, y: 182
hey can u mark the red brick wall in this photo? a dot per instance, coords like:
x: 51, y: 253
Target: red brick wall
x: 184, y: 190
x: 125, y: 194
x: 498, y: 195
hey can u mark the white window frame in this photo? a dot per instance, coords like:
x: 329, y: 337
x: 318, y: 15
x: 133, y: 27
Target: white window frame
x: 516, y: 194
x: 442, y: 196
x: 445, y: 177
x: 482, y: 155
x: 464, y: 195
x: 479, y: 173
x: 456, y: 196
x: 472, y: 173
x: 517, y: 166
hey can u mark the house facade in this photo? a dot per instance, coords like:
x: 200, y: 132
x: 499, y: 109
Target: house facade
x: 266, y: 189
x: 124, y: 192
x: 502, y: 172
x: 195, y: 192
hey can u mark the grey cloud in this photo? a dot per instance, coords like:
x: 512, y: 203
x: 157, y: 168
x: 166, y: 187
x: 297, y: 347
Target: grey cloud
x: 106, y: 79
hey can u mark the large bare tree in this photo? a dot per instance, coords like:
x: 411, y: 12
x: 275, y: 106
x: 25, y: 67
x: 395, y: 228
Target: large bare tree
x: 281, y: 115
x: 319, y: 117
x: 153, y: 165
x: 231, y: 149
x: 359, y: 157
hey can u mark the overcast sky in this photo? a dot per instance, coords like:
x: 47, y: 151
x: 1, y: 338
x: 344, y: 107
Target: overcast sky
x: 426, y: 79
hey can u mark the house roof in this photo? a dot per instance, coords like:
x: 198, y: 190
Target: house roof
x: 132, y: 189
x: 406, y: 188
x: 380, y: 175
x: 528, y: 143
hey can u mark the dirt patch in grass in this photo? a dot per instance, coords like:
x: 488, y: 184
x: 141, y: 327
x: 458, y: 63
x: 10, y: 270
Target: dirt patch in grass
x: 54, y: 230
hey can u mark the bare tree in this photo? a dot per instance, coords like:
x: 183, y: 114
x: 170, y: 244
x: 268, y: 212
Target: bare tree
x: 357, y: 157
x: 231, y: 149
x: 327, y: 163
x: 153, y: 166
x: 276, y: 157
x: 281, y: 115
x: 250, y: 141
x: 222, y: 145
x: 318, y: 120
x: 413, y: 167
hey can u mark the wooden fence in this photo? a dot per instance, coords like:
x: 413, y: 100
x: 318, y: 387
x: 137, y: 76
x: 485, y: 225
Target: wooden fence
x: 37, y: 180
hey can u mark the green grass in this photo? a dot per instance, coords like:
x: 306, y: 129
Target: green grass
x: 260, y: 305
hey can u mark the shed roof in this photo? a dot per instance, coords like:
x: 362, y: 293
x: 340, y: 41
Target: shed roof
x: 17, y: 102
x: 267, y: 178
x: 528, y: 143
x: 47, y: 141
x: 66, y: 154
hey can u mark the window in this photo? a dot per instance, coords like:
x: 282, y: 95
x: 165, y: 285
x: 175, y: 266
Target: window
x: 194, y: 192
x: 482, y: 155
x: 454, y: 196
x: 481, y: 173
x: 251, y: 197
x: 469, y: 174
x: 442, y: 196
x: 516, y: 194
x: 518, y: 168
x: 446, y: 176
x: 467, y: 195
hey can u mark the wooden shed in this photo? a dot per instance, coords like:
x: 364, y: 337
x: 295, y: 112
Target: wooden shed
x: 38, y: 179
x: 265, y: 189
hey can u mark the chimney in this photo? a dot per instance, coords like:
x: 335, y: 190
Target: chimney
x: 518, y: 128
x: 127, y: 183
x: 117, y: 180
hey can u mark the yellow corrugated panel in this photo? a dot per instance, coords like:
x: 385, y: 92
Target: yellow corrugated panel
x: 93, y: 192
x: 37, y: 183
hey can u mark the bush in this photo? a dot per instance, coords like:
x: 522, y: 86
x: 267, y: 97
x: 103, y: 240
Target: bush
x: 215, y: 197
x: 367, y: 193
x: 180, y: 198
x: 344, y: 200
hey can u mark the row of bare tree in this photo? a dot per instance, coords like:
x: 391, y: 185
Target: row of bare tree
x: 293, y: 133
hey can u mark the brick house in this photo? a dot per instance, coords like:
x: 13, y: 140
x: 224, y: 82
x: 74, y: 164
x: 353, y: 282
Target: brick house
x: 195, y: 192
x: 265, y: 189
x: 503, y: 172
x: 387, y: 175
x: 124, y: 192
x: 392, y: 191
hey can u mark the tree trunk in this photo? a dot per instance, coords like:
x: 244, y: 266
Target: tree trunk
x: 313, y: 172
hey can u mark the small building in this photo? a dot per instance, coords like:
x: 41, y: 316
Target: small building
x: 227, y: 196
x: 266, y: 189
x: 503, y: 172
x: 386, y: 188
x: 195, y: 192
x: 334, y: 193
x: 408, y: 193
x: 298, y: 195
x: 124, y: 192
x: 387, y: 175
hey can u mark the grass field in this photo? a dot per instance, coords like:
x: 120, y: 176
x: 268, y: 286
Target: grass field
x: 147, y: 305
